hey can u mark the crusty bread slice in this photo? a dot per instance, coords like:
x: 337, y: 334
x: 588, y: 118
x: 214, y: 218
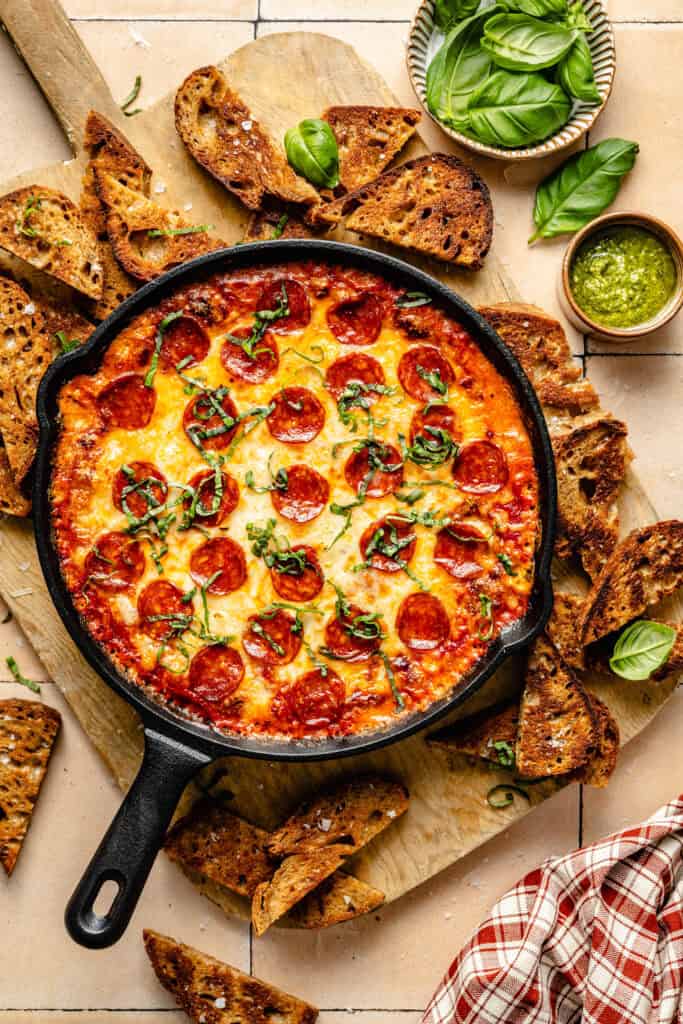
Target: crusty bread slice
x: 25, y: 353
x: 597, y: 771
x: 339, y: 898
x: 131, y: 216
x: 211, y: 992
x: 541, y: 347
x: 435, y: 205
x: 295, y: 878
x: 557, y: 726
x: 47, y: 230
x: 275, y: 222
x: 368, y: 139
x: 490, y: 734
x: 590, y: 464
x: 644, y: 568
x: 673, y: 666
x: 28, y: 730
x: 64, y: 325
x: 351, y: 813
x: 12, y: 501
x: 563, y: 628
x: 223, y: 137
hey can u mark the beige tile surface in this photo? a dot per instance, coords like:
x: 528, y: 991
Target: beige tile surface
x: 338, y: 10
x: 650, y: 10
x: 163, y: 10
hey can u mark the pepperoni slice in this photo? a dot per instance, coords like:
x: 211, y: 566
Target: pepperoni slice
x: 344, y: 636
x: 162, y: 609
x: 304, y: 587
x: 184, y: 338
x: 202, y: 420
x: 418, y: 362
x: 261, y: 364
x: 457, y: 550
x: 480, y: 468
x: 297, y: 417
x: 356, y: 320
x: 356, y: 367
x: 204, y: 486
x: 215, y: 674
x: 422, y: 622
x: 115, y: 561
x: 389, y: 536
x: 440, y: 417
x: 305, y: 496
x: 314, y: 700
x: 126, y: 402
x: 150, y: 492
x: 297, y: 302
x: 271, y: 638
x: 220, y: 560
x: 378, y: 467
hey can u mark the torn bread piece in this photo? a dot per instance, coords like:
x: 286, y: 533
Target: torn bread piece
x: 12, y: 501
x: 557, y: 725
x: 368, y: 139
x: 28, y: 730
x: 267, y: 225
x: 541, y: 347
x: 590, y: 464
x: 562, y: 628
x: 644, y: 568
x: 673, y: 665
x: 295, y: 878
x: 211, y: 992
x: 223, y: 137
x: 489, y: 734
x: 148, y: 240
x: 44, y: 228
x: 339, y: 898
x: 350, y: 813
x: 435, y: 205
x: 598, y: 770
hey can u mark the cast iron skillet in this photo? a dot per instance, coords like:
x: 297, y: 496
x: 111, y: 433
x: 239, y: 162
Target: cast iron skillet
x: 175, y: 747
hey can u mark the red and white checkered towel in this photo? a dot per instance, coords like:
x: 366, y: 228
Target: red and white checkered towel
x: 595, y: 936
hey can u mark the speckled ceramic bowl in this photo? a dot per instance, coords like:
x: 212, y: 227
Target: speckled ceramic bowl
x: 425, y: 39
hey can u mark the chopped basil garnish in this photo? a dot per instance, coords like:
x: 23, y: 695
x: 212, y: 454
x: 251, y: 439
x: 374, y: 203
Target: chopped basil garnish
x: 18, y: 677
x: 278, y: 481
x: 262, y: 320
x: 280, y: 226
x: 66, y: 344
x: 503, y: 796
x: 433, y: 378
x: 507, y: 564
x: 505, y: 754
x: 258, y: 629
x: 32, y: 204
x: 411, y: 498
x: 194, y: 229
x: 398, y: 697
x: 411, y: 300
x: 433, y: 447
x: 356, y: 396
x: 276, y: 552
x: 131, y: 98
x: 158, y: 342
x: 486, y: 608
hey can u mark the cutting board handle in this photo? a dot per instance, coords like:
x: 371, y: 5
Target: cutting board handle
x: 59, y: 62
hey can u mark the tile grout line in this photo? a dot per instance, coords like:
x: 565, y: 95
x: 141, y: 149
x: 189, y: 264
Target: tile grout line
x: 94, y: 19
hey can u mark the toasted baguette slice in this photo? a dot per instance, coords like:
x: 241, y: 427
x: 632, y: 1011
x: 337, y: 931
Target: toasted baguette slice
x: 131, y: 217
x: 12, y: 501
x: 218, y: 845
x: 25, y: 353
x: 351, y: 813
x: 223, y: 137
x: 557, y: 727
x: 591, y: 463
x: 266, y: 225
x: 64, y: 326
x: 490, y: 734
x: 540, y: 345
x: 340, y: 898
x: 598, y: 770
x: 211, y: 992
x: 295, y: 878
x: 435, y: 205
x: 28, y: 730
x: 562, y: 628
x: 368, y: 139
x: 44, y: 228
x: 644, y: 568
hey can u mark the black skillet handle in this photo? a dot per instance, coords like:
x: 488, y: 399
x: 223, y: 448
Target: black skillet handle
x: 127, y: 852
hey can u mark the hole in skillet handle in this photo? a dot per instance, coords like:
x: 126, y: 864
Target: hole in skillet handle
x: 129, y: 848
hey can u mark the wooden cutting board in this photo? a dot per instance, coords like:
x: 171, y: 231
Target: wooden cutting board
x: 448, y: 815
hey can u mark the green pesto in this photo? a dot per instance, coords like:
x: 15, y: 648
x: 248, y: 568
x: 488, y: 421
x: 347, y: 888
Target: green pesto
x: 623, y: 277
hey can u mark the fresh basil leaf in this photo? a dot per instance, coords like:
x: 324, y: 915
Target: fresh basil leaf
x: 458, y: 68
x: 312, y: 151
x: 514, y: 110
x: 577, y: 17
x: 576, y: 72
x: 582, y: 187
x: 446, y: 12
x: 539, y: 8
x: 517, y: 42
x: 641, y: 649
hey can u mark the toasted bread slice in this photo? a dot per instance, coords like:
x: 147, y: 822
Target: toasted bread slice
x: 223, y: 847
x: 644, y: 568
x: 266, y: 225
x: 541, y: 347
x: 562, y: 628
x: 590, y: 466
x: 295, y: 878
x: 64, y: 326
x: 490, y: 734
x: 597, y: 771
x: 339, y: 898
x: 223, y: 137
x: 557, y: 726
x: 351, y: 813
x: 28, y: 730
x: 435, y: 205
x: 44, y: 228
x: 133, y: 221
x: 368, y: 139
x: 12, y: 501
x: 25, y: 353
x: 211, y: 992
x: 673, y: 665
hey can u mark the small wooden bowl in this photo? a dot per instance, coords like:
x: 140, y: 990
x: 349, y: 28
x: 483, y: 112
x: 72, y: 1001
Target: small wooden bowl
x: 580, y: 319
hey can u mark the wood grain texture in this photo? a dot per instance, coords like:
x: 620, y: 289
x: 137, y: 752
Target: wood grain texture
x: 448, y: 816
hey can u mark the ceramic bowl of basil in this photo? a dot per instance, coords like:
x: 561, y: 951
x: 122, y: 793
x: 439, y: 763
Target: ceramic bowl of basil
x: 512, y: 79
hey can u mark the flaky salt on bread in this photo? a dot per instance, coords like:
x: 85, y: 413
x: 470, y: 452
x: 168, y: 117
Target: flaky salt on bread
x: 339, y: 898
x: 368, y: 139
x: 267, y: 225
x: 487, y: 734
x: 297, y: 876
